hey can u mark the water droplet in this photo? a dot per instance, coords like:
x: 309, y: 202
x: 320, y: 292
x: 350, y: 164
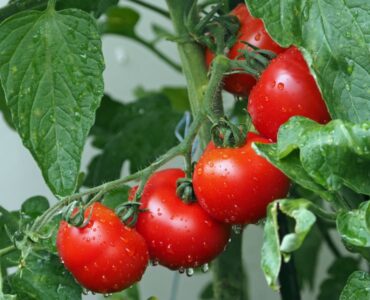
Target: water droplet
x: 181, y: 270
x: 257, y: 37
x: 205, y: 268
x: 189, y: 272
x: 154, y: 262
x: 280, y: 86
x: 107, y: 295
x: 237, y: 229
x: 85, y: 291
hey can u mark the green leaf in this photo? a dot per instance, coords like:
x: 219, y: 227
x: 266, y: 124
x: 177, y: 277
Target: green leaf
x: 131, y: 293
x: 207, y: 292
x: 338, y: 272
x: 44, y: 278
x: 9, y: 223
x: 120, y: 20
x: 273, y: 248
x: 136, y: 132
x: 357, y: 287
x: 116, y: 197
x: 4, y: 109
x: 306, y: 258
x: 35, y: 206
x: 323, y: 157
x: 354, y: 231
x: 335, y: 38
x: 51, y: 68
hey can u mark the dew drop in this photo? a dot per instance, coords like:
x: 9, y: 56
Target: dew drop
x: 280, y: 86
x: 237, y: 229
x: 205, y: 268
x: 154, y: 262
x: 189, y: 272
x: 181, y: 270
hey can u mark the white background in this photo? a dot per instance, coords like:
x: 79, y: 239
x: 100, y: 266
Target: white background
x: 128, y: 65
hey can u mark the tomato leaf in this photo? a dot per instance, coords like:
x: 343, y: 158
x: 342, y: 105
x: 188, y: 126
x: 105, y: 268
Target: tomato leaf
x: 4, y: 109
x: 9, y: 223
x: 357, y: 287
x: 207, y: 292
x: 136, y: 132
x: 51, y: 68
x: 116, y: 197
x: 44, y: 278
x: 352, y: 227
x: 273, y: 248
x: 335, y: 38
x: 323, y: 158
x: 338, y: 272
x: 35, y: 206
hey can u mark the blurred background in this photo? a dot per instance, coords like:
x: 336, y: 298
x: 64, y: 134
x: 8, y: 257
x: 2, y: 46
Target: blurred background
x: 129, y: 66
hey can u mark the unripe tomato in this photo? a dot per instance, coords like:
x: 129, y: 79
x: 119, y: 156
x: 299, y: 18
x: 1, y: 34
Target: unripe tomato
x: 105, y: 256
x: 252, y: 30
x: 285, y: 89
x: 178, y: 235
x: 235, y: 185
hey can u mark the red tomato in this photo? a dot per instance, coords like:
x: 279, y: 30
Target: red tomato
x: 285, y: 89
x: 105, y: 256
x: 235, y: 185
x: 252, y: 31
x: 178, y: 235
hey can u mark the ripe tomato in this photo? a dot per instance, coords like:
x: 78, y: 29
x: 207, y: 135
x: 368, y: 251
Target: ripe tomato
x: 252, y: 31
x: 178, y: 235
x: 105, y: 256
x: 235, y: 185
x: 285, y: 89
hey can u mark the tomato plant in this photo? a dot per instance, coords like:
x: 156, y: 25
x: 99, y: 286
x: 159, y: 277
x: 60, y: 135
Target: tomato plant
x: 251, y: 31
x: 192, y: 237
x: 310, y: 106
x: 285, y: 89
x: 235, y: 185
x: 104, y: 256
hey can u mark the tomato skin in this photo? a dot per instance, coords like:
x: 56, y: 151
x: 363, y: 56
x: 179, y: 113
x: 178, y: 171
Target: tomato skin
x: 178, y: 235
x: 105, y: 256
x: 252, y: 30
x: 285, y: 89
x: 235, y: 185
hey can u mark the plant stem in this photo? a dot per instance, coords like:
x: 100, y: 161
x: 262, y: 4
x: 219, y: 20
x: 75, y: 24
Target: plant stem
x: 151, y: 7
x: 288, y: 275
x: 229, y: 278
x: 7, y: 250
x: 157, y: 52
x: 325, y: 234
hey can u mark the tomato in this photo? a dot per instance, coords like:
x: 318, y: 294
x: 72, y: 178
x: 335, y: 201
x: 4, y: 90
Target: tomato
x: 105, y: 256
x: 235, y: 185
x: 285, y: 89
x: 178, y: 235
x: 252, y: 31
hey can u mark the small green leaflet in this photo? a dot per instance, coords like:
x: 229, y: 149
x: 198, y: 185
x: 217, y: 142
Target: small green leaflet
x: 323, y: 158
x: 357, y: 287
x: 353, y: 228
x: 335, y: 37
x: 273, y: 248
x: 51, y: 68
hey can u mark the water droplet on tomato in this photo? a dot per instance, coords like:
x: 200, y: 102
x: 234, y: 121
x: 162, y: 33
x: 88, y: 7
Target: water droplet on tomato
x: 237, y: 229
x: 257, y: 37
x: 189, y: 272
x: 280, y: 86
x: 181, y: 270
x: 205, y: 268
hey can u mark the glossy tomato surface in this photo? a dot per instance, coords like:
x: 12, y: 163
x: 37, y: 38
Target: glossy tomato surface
x: 285, y: 89
x: 235, y: 185
x: 178, y: 235
x: 252, y: 30
x: 105, y: 256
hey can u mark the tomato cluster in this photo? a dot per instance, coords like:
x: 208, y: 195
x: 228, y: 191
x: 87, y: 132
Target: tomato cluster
x: 231, y: 185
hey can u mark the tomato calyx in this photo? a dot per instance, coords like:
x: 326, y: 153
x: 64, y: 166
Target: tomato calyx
x: 226, y: 134
x: 128, y: 212
x: 216, y: 32
x: 185, y: 190
x: 74, y: 214
x: 251, y: 60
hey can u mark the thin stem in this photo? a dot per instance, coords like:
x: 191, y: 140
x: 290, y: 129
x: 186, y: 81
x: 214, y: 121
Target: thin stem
x: 288, y: 274
x: 229, y: 278
x: 327, y: 216
x: 325, y: 234
x: 159, y: 54
x: 7, y: 250
x: 152, y: 7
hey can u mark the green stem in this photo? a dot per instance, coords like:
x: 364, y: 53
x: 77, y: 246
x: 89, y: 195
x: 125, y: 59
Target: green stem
x: 7, y: 250
x: 326, y: 235
x: 327, y: 216
x: 151, y: 7
x: 157, y: 52
x: 229, y: 278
